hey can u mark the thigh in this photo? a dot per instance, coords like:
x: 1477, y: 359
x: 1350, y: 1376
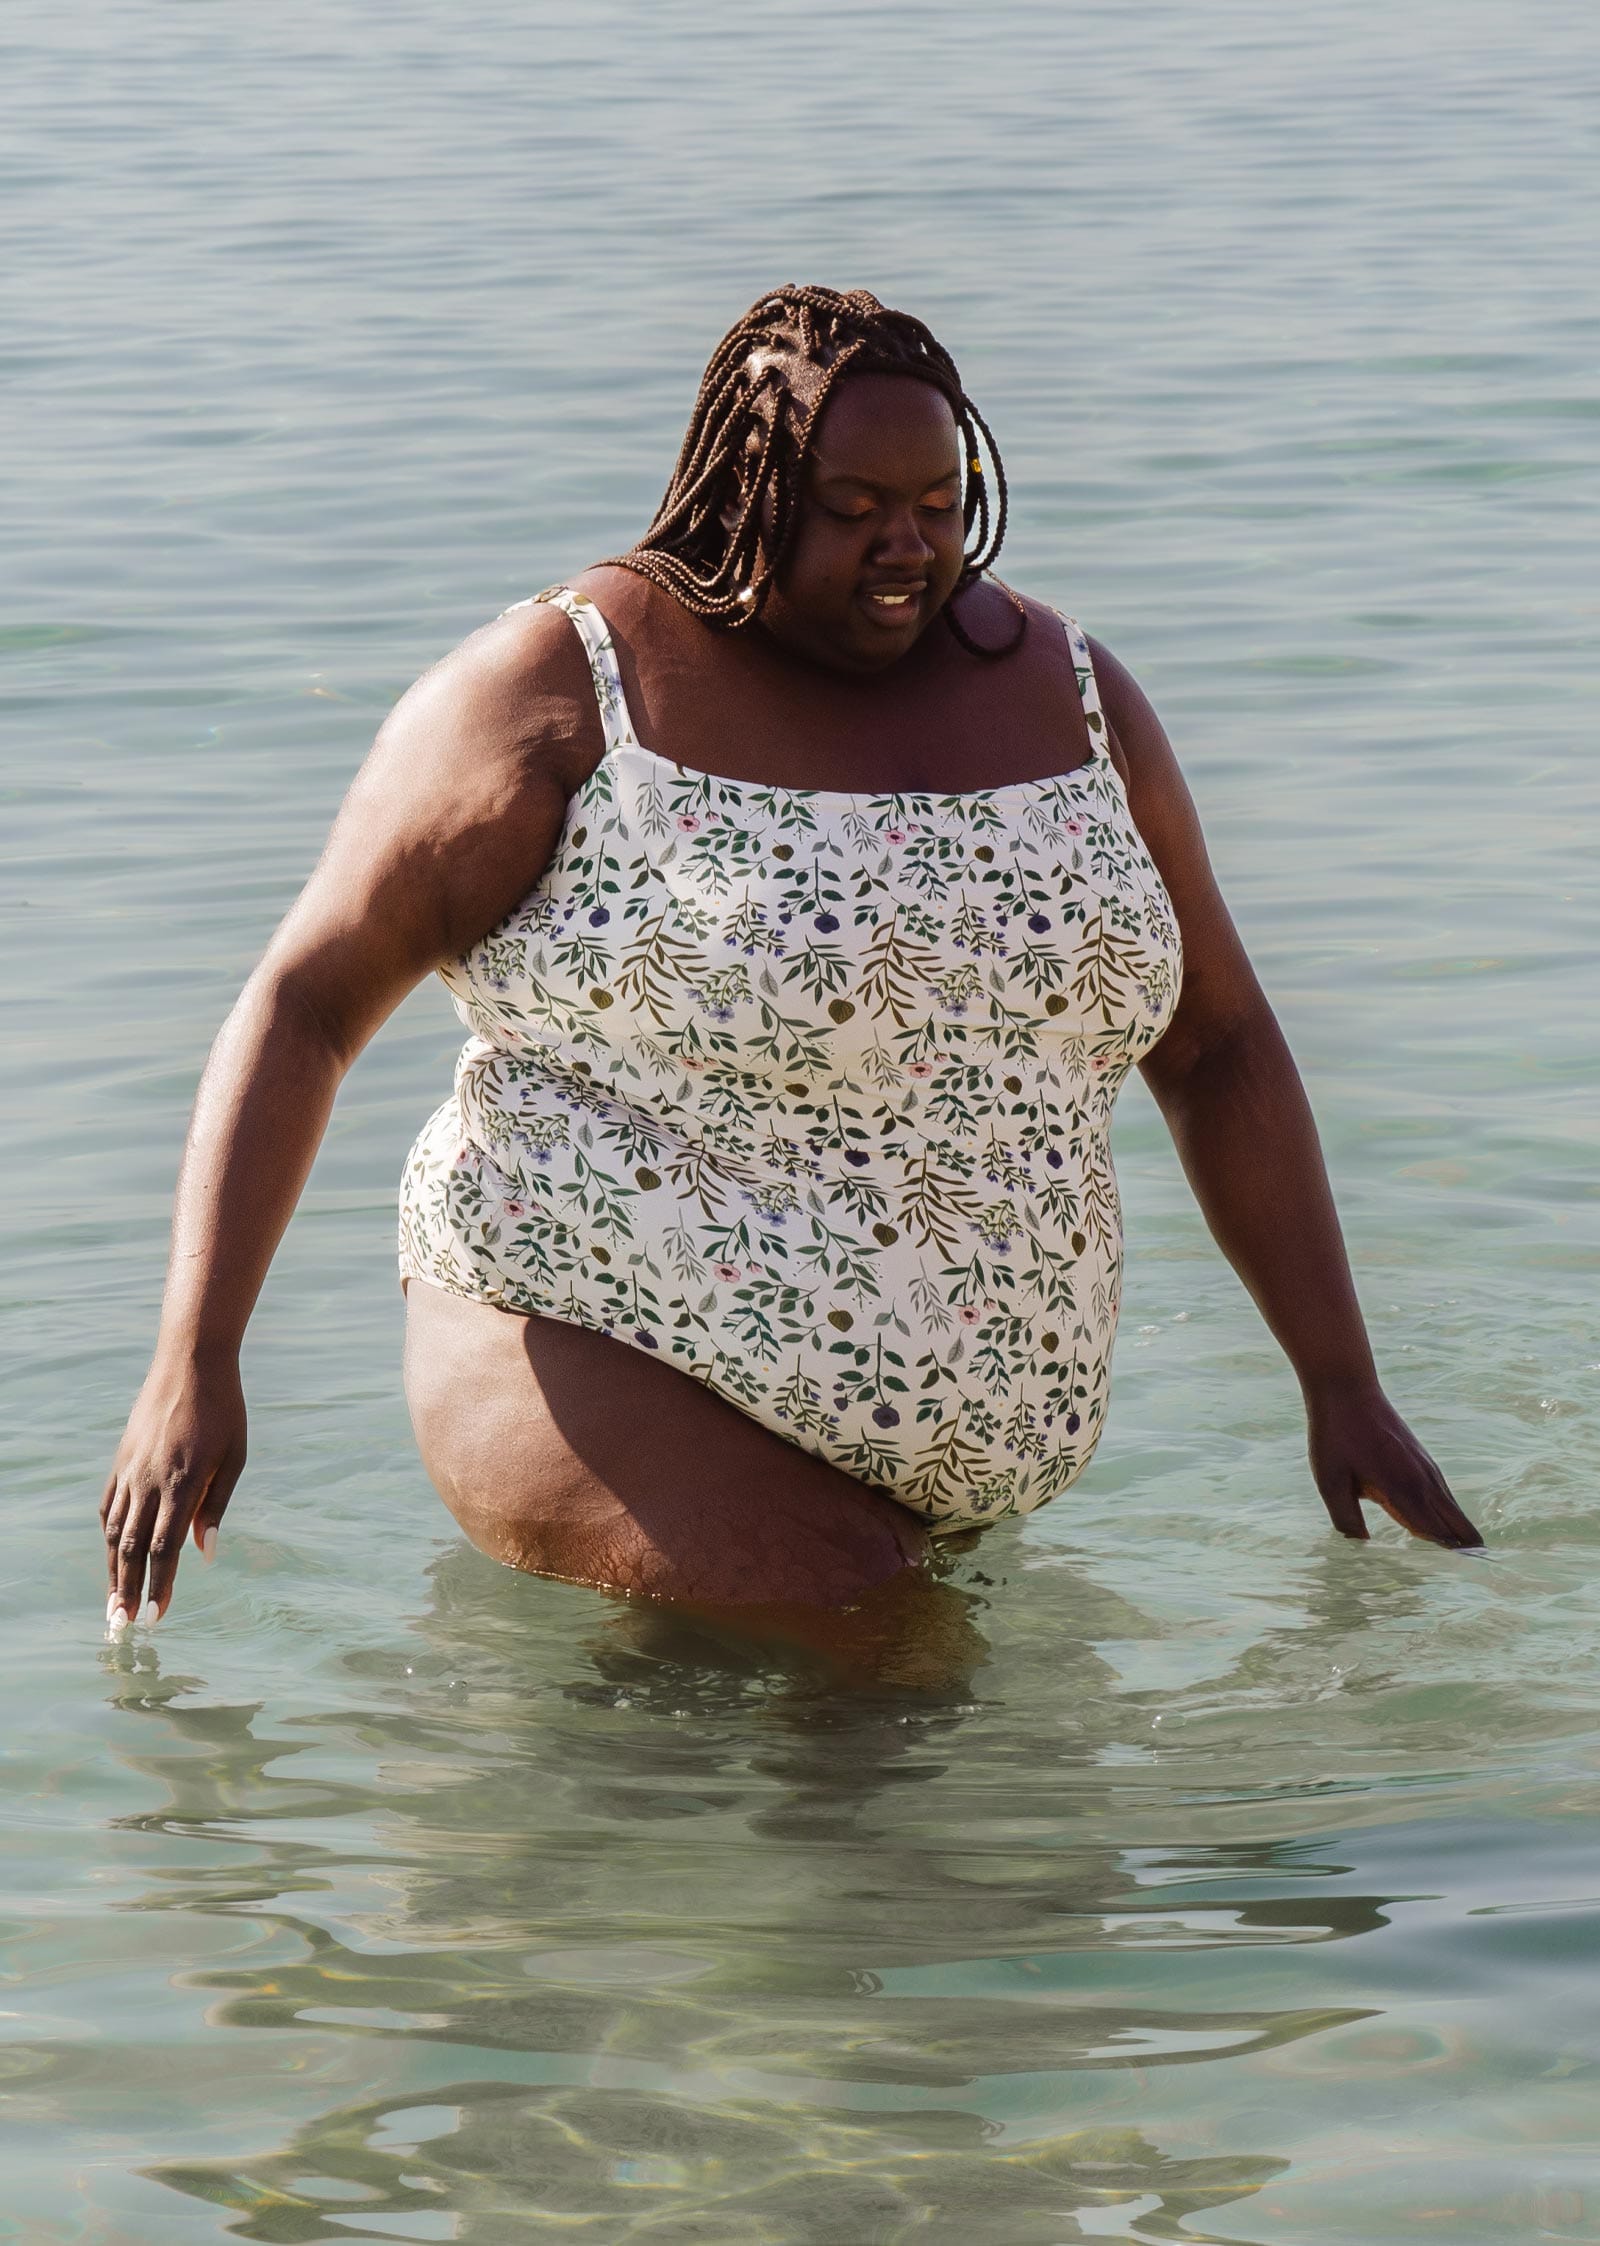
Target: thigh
x: 564, y: 1452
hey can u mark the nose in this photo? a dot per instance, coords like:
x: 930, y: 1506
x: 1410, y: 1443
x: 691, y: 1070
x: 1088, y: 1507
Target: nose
x: 903, y: 543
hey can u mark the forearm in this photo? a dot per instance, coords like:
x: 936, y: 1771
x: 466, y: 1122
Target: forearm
x: 259, y: 1117
x: 1244, y: 1132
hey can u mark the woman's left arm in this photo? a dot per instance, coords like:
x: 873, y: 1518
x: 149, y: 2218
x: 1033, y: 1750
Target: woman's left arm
x: 1226, y: 1083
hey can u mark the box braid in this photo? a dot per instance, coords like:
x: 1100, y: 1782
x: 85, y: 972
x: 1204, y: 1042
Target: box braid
x: 749, y: 437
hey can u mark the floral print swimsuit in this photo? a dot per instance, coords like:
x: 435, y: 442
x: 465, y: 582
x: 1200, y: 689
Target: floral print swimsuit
x: 809, y: 1093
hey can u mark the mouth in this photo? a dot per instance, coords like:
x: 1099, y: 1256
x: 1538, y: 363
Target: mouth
x: 894, y: 605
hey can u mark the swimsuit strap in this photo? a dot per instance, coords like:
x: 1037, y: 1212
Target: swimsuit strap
x: 604, y: 669
x: 1088, y: 690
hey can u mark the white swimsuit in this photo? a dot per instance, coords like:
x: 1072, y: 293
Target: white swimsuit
x: 809, y: 1093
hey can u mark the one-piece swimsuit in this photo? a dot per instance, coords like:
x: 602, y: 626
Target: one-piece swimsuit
x: 809, y: 1095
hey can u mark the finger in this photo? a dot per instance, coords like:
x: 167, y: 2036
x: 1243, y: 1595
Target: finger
x: 115, y: 1516
x: 1457, y: 1529
x: 1338, y: 1494
x: 1450, y: 1524
x: 1450, y: 1514
x: 1427, y: 1512
x: 166, y: 1549
x: 208, y: 1514
x: 132, y: 1546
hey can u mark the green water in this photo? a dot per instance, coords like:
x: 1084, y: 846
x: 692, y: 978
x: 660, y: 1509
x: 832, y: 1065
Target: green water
x: 1198, y: 1876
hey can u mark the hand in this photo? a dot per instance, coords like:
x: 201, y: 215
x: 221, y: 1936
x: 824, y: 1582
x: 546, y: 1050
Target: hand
x: 1362, y: 1448
x: 176, y: 1466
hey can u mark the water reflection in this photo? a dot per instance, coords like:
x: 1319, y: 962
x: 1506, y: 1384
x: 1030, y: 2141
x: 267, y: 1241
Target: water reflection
x: 650, y: 1931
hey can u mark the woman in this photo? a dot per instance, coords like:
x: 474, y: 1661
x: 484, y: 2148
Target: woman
x: 771, y: 1223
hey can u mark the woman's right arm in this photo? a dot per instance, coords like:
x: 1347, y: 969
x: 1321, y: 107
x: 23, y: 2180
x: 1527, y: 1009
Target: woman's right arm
x: 450, y: 821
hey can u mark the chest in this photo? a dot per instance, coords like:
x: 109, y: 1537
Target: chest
x: 712, y: 924
x: 945, y: 724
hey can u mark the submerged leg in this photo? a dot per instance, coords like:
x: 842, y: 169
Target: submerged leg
x: 569, y: 1454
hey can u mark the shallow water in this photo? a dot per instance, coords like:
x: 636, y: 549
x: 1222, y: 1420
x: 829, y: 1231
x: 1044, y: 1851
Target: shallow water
x: 1187, y: 1873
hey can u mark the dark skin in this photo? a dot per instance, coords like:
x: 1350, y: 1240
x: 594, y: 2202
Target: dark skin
x: 561, y: 1451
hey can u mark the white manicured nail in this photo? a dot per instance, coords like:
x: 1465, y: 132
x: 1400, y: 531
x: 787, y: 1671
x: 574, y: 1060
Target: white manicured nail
x: 151, y: 1615
x: 208, y: 1546
x: 119, y: 1620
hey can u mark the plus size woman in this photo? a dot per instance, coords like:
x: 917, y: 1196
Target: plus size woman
x: 807, y: 894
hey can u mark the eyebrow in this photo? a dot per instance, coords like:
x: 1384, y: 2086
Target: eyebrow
x: 868, y: 483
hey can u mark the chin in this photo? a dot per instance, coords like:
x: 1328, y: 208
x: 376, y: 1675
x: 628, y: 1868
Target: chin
x: 844, y: 641
x: 861, y: 647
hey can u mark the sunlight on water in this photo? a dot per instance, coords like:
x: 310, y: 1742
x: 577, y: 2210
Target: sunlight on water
x: 1168, y: 1870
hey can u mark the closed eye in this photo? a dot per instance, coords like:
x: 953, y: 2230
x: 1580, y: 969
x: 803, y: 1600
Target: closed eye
x: 859, y: 512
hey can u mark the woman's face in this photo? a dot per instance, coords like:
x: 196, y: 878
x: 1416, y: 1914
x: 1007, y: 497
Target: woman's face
x: 878, y: 543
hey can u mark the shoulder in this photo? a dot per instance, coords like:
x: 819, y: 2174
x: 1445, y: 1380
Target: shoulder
x: 519, y: 687
x: 1138, y: 739
x: 1123, y: 699
x: 1159, y: 800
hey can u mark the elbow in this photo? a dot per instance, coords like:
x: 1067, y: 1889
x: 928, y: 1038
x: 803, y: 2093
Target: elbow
x: 1199, y: 1056
x: 288, y: 1005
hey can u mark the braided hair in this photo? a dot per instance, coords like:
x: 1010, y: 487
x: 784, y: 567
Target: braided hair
x: 760, y: 404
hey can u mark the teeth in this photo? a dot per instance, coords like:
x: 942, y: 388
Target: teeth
x: 891, y: 600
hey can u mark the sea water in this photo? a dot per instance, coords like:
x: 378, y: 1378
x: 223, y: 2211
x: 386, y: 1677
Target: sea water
x: 1190, y: 1873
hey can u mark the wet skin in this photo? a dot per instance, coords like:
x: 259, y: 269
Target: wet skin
x: 570, y: 1454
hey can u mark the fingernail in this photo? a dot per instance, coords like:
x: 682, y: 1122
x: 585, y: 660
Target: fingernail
x: 151, y: 1615
x: 119, y: 1619
x: 208, y: 1546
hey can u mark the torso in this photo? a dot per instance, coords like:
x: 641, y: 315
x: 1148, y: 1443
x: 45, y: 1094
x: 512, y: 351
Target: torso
x: 726, y: 1158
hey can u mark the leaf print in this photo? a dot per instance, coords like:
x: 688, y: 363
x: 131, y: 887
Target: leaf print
x: 1108, y: 968
x: 851, y: 1265
x: 995, y: 1496
x: 934, y: 1205
x: 809, y: 1098
x: 719, y: 993
x: 954, y: 987
x: 861, y: 1199
x: 654, y: 966
x: 790, y: 1040
x: 891, y: 969
x: 695, y: 1176
x: 819, y: 969
x: 948, y: 1464
x: 1000, y: 1165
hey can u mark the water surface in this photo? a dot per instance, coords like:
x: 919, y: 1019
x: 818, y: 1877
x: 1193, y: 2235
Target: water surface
x: 1187, y: 1873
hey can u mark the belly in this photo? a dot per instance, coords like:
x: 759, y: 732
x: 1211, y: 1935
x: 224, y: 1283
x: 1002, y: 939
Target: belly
x: 966, y: 1381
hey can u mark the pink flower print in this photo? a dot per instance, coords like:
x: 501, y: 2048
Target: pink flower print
x: 969, y: 1314
x: 726, y: 1272
x: 919, y: 1068
x: 895, y: 835
x: 463, y: 1154
x: 752, y: 1270
x: 516, y: 1208
x: 693, y: 1062
x: 1099, y: 1063
x: 687, y: 823
x: 1075, y: 825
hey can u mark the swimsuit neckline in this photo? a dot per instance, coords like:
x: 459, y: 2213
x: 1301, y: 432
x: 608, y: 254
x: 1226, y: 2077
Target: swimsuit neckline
x: 626, y: 740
